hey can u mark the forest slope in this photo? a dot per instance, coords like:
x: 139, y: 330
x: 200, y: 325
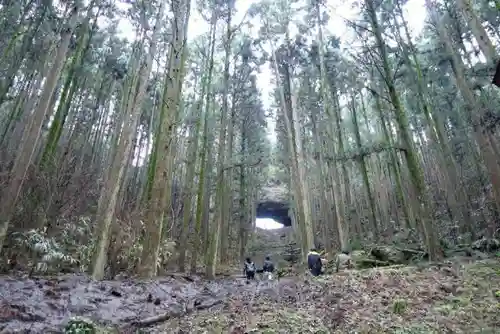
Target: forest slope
x: 459, y: 296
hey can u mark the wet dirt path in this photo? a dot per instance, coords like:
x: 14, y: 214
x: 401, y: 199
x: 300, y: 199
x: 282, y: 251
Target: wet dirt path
x: 44, y: 305
x: 442, y: 298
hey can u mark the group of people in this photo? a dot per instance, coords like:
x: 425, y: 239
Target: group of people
x: 250, y: 269
x: 314, y: 262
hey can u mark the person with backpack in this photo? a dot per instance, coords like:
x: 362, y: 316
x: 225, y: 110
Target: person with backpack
x: 268, y: 267
x: 249, y: 269
x: 314, y: 262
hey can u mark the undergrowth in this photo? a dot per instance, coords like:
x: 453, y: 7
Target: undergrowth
x: 454, y: 297
x: 71, y: 250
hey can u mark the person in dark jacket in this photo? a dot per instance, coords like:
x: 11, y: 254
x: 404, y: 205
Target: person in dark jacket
x: 268, y: 266
x: 249, y: 269
x: 314, y: 262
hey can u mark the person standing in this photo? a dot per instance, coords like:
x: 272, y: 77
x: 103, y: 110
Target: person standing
x: 249, y: 269
x: 268, y: 268
x: 314, y: 262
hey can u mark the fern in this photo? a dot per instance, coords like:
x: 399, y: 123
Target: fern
x: 47, y: 251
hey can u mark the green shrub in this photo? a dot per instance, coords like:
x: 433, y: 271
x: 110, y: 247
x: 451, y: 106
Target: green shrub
x: 79, y: 325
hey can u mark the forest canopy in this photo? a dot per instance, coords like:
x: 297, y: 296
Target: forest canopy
x: 148, y: 145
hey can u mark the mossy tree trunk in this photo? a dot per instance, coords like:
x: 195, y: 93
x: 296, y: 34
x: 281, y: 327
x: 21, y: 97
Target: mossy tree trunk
x: 324, y: 206
x: 293, y: 135
x: 360, y: 160
x: 476, y: 27
x: 456, y: 194
x: 408, y: 219
x: 202, y: 176
x: 70, y: 87
x: 190, y: 175
x: 411, y: 156
x: 160, y: 201
x: 114, y: 177
x: 216, y: 229
x: 32, y: 132
x: 331, y: 107
x: 472, y: 109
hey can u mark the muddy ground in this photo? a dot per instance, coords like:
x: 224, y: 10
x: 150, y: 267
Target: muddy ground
x: 457, y: 297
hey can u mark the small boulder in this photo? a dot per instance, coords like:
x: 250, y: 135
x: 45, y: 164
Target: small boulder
x: 388, y: 254
x: 486, y: 245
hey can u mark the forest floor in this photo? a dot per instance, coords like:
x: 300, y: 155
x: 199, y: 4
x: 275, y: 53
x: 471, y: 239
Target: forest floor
x: 457, y: 297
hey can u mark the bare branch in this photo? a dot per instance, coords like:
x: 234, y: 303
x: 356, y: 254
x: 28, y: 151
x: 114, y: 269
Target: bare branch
x: 366, y: 151
x: 244, y: 163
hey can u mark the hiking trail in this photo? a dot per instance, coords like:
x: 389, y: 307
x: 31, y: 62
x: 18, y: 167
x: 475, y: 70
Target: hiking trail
x: 460, y: 296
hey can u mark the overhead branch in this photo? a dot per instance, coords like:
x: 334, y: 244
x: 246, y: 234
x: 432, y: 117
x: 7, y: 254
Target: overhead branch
x: 244, y: 163
x: 361, y: 154
x: 236, y: 28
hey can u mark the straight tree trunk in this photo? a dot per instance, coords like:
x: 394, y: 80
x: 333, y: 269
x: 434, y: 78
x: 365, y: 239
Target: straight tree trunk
x: 161, y: 188
x: 114, y: 178
x: 411, y: 157
x: 30, y: 141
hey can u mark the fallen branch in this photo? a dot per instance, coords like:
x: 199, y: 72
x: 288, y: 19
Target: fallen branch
x: 180, y: 275
x: 171, y: 314
x: 411, y: 252
x: 370, y: 263
x: 204, y: 306
x: 158, y: 318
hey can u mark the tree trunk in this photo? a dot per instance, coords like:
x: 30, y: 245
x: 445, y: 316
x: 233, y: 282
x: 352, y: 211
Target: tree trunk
x: 162, y: 186
x: 29, y: 145
x: 114, y: 178
x: 203, y: 177
x: 411, y: 156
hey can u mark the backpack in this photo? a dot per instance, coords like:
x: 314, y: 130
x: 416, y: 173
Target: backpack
x: 249, y: 267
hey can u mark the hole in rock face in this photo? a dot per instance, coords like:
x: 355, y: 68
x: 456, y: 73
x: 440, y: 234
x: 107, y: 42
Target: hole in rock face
x: 268, y: 224
x: 273, y: 211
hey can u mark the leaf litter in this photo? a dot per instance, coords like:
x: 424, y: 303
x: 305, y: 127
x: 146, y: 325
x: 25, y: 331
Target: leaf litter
x: 455, y: 297
x: 452, y: 297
